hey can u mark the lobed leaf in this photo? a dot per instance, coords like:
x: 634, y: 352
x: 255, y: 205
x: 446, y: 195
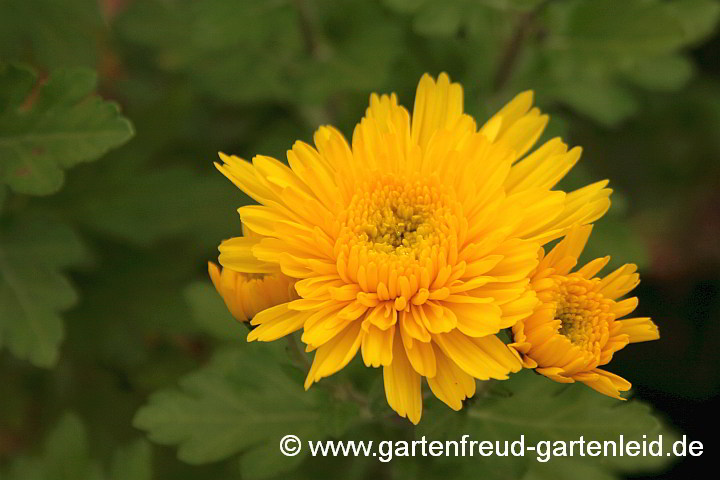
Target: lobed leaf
x: 33, y: 291
x: 255, y: 52
x: 244, y: 401
x: 63, y: 124
x: 542, y: 410
x: 66, y: 456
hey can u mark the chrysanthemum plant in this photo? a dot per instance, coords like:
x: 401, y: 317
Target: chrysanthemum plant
x: 420, y: 246
x: 420, y: 240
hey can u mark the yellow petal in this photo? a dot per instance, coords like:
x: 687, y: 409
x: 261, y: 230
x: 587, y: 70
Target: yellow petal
x: 236, y: 254
x: 523, y: 133
x: 477, y: 320
x: 318, y: 329
x: 377, y: 346
x: 534, y: 170
x: 624, y: 307
x: 483, y: 358
x: 508, y: 115
x: 437, y: 105
x: 604, y: 382
x: 314, y: 171
x: 557, y: 374
x: 335, y: 354
x: 402, y: 385
x: 639, y: 329
x: 242, y: 174
x: 582, y: 206
x: 619, y: 282
x: 570, y: 247
x: 420, y: 354
x: 276, y: 322
x: 451, y: 384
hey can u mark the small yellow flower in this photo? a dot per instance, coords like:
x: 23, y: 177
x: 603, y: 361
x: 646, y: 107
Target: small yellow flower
x: 247, y: 294
x: 413, y: 243
x: 578, y: 326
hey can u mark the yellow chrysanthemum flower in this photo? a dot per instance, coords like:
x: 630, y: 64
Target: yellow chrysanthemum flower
x: 577, y: 326
x: 247, y: 294
x: 412, y: 244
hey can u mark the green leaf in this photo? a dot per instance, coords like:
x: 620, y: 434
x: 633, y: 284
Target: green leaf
x: 33, y: 291
x: 522, y: 5
x: 569, y: 469
x: 50, y: 33
x: 223, y: 46
x: 623, y: 27
x: 405, y: 6
x: 605, y: 102
x: 356, y: 38
x: 698, y: 18
x: 283, y: 52
x: 542, y: 410
x: 243, y: 401
x: 594, y: 48
x: 16, y: 82
x: 65, y: 125
x: 264, y: 461
x: 150, y: 283
x: 439, y: 18
x: 132, y: 462
x: 210, y: 313
x: 64, y: 457
x: 670, y: 72
x: 141, y: 205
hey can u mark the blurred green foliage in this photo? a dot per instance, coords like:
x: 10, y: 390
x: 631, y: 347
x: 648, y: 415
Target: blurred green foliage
x: 107, y: 219
x: 65, y: 456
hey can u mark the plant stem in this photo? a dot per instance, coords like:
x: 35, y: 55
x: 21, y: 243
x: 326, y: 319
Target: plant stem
x: 319, y: 51
x: 309, y: 27
x: 508, y: 61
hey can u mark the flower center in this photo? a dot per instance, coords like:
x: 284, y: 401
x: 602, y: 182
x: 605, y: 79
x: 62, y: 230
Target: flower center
x: 398, y: 219
x: 584, y: 314
x: 394, y: 217
x: 395, y: 228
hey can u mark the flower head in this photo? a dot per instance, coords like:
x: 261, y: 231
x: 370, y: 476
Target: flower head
x: 578, y: 325
x: 246, y: 294
x: 413, y: 243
